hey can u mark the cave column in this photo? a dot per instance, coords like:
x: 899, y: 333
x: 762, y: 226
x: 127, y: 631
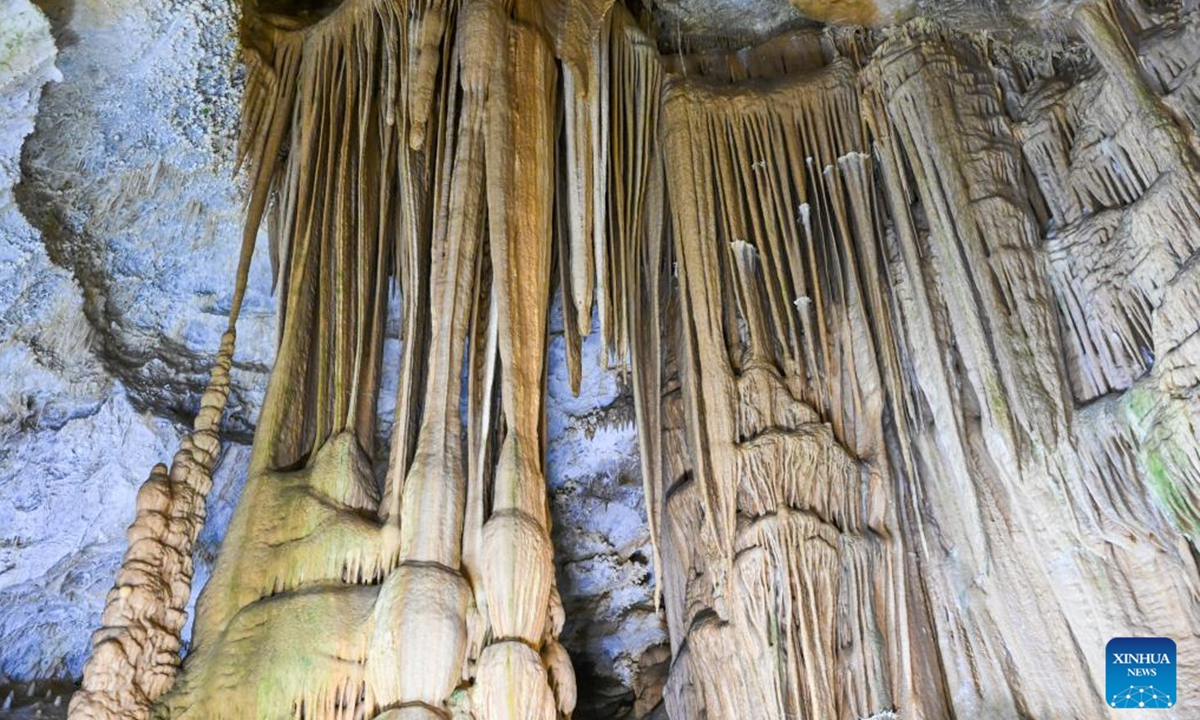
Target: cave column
x: 517, y: 668
x: 432, y: 588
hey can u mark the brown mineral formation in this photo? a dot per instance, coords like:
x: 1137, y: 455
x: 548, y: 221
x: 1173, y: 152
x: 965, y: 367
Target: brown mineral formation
x: 135, y: 654
x: 910, y: 318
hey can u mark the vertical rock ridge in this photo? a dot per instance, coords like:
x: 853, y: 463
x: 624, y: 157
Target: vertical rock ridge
x: 768, y: 194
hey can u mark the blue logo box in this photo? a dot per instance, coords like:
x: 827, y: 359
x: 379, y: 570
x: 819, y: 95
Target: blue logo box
x: 1140, y: 673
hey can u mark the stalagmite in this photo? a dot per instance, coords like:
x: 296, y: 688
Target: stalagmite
x: 135, y: 655
x: 909, y: 319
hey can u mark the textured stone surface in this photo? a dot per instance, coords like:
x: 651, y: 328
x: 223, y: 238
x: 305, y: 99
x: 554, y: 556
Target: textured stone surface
x: 148, y: 108
x: 108, y: 327
x: 601, y: 540
x: 695, y: 24
x: 94, y: 391
x: 681, y: 22
x: 95, y: 274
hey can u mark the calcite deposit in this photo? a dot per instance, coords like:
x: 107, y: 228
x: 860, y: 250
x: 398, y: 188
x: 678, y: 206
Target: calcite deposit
x: 136, y: 654
x: 905, y: 314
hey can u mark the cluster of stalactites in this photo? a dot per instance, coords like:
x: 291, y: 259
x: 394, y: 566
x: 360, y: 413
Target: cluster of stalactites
x: 781, y: 286
x: 328, y: 117
x: 817, y: 252
x: 135, y: 653
x: 607, y: 178
x: 415, y: 146
x: 777, y: 259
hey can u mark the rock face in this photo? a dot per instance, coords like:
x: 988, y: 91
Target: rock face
x: 904, y: 318
x: 80, y: 424
x: 602, y: 544
x: 150, y: 100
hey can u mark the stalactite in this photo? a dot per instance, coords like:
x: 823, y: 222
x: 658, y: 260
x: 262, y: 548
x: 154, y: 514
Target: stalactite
x: 304, y: 524
x: 786, y: 440
x: 635, y: 239
x: 456, y: 550
x: 580, y: 34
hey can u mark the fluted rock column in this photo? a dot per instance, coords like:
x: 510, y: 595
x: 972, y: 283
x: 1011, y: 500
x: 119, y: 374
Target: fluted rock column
x: 514, y: 682
x: 427, y: 596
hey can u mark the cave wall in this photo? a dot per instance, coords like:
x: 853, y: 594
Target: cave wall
x: 109, y: 331
x: 1051, y: 480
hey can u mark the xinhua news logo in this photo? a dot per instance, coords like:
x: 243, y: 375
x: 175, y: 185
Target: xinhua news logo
x: 1141, y: 673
